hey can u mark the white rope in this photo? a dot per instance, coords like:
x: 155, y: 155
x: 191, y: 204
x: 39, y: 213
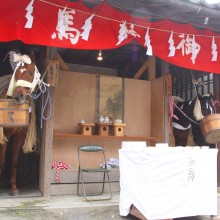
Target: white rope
x: 119, y: 21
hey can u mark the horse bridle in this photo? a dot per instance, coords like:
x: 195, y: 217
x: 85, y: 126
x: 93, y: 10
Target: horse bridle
x: 184, y: 114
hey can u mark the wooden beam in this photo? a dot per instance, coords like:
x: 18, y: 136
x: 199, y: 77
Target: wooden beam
x: 139, y: 73
x: 51, y: 54
x: 152, y: 68
x: 164, y: 67
x: 61, y: 62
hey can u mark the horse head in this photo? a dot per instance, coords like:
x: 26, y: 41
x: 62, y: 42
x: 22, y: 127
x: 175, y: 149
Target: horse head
x: 24, y: 79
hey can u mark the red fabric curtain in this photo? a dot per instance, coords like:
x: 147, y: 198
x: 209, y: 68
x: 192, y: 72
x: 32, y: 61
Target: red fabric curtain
x: 105, y: 29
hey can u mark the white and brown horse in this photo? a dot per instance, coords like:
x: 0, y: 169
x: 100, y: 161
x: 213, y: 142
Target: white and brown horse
x: 22, y: 84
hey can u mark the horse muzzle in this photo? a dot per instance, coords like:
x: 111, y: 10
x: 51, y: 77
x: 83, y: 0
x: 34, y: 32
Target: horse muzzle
x: 20, y: 98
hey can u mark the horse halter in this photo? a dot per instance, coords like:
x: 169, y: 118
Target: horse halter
x: 20, y: 66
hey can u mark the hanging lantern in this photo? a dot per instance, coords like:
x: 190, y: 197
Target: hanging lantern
x: 134, y: 52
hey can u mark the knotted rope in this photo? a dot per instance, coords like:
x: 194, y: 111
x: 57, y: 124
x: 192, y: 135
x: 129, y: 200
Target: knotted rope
x: 43, y: 89
x: 59, y: 166
x: 171, y: 115
x: 30, y: 143
x: 185, y: 114
x: 171, y: 107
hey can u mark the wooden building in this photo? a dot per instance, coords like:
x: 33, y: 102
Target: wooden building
x: 74, y: 75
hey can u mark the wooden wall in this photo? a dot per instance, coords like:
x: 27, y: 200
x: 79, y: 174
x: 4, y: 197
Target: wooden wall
x: 75, y: 98
x: 137, y: 107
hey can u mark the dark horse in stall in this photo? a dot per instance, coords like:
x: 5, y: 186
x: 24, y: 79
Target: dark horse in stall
x: 25, y: 75
x: 186, y: 120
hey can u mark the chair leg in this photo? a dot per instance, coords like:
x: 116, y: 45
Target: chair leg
x: 109, y: 183
x: 80, y: 180
x: 103, y: 184
x: 86, y: 195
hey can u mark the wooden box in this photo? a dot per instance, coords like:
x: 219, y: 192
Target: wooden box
x: 86, y: 128
x: 118, y: 129
x: 135, y: 212
x: 104, y: 129
x: 12, y: 114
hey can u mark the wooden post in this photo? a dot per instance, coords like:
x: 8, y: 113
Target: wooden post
x: 152, y: 68
x: 47, y: 142
x: 164, y: 67
x: 47, y: 151
x: 167, y: 93
x: 216, y: 91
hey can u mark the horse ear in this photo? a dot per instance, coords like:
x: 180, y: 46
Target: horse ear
x: 32, y: 56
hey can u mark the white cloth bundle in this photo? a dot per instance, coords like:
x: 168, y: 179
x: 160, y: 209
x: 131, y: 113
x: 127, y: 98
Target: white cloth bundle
x: 198, y: 110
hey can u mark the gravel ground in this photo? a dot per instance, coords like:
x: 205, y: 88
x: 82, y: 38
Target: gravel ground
x: 66, y: 208
x: 92, y: 213
x: 88, y: 213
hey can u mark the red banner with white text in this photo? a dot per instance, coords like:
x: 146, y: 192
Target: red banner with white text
x: 72, y: 25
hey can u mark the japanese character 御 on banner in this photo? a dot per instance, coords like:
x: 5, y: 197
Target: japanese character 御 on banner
x: 188, y: 46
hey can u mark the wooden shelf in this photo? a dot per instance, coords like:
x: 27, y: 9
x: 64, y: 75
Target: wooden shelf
x: 70, y: 135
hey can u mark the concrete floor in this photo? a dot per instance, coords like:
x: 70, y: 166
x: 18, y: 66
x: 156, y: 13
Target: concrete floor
x: 67, y: 208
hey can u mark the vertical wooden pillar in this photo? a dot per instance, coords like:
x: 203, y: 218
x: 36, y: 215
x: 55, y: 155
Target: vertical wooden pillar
x: 47, y: 151
x: 216, y: 90
x: 152, y: 68
x: 167, y: 93
x: 47, y: 137
x: 164, y: 67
